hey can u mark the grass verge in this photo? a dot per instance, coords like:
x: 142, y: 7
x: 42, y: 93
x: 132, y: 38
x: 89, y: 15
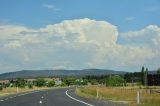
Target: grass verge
x: 122, y: 94
x: 13, y: 90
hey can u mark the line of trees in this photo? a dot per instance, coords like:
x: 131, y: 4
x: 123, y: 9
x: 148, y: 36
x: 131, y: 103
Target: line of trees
x: 144, y: 73
x: 108, y: 80
x: 112, y: 80
x: 41, y: 82
x: 138, y: 77
x: 22, y: 83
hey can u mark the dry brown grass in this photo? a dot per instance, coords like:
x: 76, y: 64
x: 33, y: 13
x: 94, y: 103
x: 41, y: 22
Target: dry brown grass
x: 127, y: 94
x: 13, y: 90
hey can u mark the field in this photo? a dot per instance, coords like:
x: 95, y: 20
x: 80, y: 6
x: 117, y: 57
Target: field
x: 13, y: 90
x: 122, y: 94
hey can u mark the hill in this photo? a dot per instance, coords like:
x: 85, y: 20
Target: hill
x: 47, y: 73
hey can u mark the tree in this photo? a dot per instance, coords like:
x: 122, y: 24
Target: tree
x: 146, y: 77
x: 1, y: 86
x: 81, y: 82
x: 142, y: 75
x: 30, y: 85
x: 128, y: 77
x: 69, y: 81
x: 115, y: 80
x: 93, y: 82
x: 63, y: 84
x: 158, y: 71
x: 51, y: 83
x: 40, y: 82
x: 20, y: 83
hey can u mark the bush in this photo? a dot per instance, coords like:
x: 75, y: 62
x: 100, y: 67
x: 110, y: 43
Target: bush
x: 94, y: 82
x: 40, y: 82
x: 30, y: 86
x: 51, y: 83
x: 81, y: 82
x: 1, y: 88
x: 20, y: 83
x: 63, y: 84
x: 69, y: 81
x: 115, y: 80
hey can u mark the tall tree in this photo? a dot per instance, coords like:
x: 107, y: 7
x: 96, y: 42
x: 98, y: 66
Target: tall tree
x: 142, y: 75
x: 146, y: 77
x: 158, y: 71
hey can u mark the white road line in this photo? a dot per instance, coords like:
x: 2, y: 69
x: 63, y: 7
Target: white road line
x: 6, y: 99
x: 19, y: 95
x: 11, y: 97
x: 24, y: 94
x: 27, y: 93
x: 1, y: 100
x: 77, y: 99
x: 40, y: 102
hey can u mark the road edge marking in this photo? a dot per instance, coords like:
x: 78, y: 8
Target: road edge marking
x: 77, y: 99
x: 22, y: 94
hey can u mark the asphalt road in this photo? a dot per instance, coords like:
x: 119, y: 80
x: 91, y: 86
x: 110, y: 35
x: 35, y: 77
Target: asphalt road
x: 54, y: 97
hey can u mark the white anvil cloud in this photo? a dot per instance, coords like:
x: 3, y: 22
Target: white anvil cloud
x: 79, y: 43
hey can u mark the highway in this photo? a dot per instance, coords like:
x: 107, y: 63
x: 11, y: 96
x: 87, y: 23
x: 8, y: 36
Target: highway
x: 54, y: 97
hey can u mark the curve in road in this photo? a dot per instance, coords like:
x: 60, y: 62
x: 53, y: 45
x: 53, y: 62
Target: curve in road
x: 54, y: 97
x: 77, y: 99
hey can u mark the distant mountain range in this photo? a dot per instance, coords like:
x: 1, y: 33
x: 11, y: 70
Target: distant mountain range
x: 60, y: 73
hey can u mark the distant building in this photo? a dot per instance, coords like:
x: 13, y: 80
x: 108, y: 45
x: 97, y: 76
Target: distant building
x: 58, y: 81
x: 4, y: 81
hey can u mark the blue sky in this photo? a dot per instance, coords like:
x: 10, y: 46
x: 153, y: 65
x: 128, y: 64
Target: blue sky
x: 79, y: 34
x: 126, y: 14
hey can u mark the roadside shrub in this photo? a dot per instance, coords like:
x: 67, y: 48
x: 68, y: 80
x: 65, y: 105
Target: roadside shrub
x: 69, y: 81
x: 1, y: 88
x: 94, y: 82
x: 20, y: 83
x: 30, y: 86
x: 40, y: 82
x: 115, y: 80
x: 51, y: 83
x: 63, y: 84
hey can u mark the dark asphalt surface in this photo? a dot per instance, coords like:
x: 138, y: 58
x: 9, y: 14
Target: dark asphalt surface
x: 54, y: 97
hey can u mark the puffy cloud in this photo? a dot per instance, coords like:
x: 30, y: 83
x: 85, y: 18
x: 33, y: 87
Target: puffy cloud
x: 13, y: 44
x: 51, y: 7
x: 125, y: 56
x: 84, y: 30
x: 150, y: 35
x: 76, y: 44
x: 130, y: 18
x: 149, y: 38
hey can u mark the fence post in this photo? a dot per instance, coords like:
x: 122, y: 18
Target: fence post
x: 17, y: 89
x: 76, y: 88
x: 138, y: 97
x: 97, y: 92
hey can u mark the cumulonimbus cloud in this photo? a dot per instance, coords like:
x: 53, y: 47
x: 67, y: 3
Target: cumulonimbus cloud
x: 79, y: 43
